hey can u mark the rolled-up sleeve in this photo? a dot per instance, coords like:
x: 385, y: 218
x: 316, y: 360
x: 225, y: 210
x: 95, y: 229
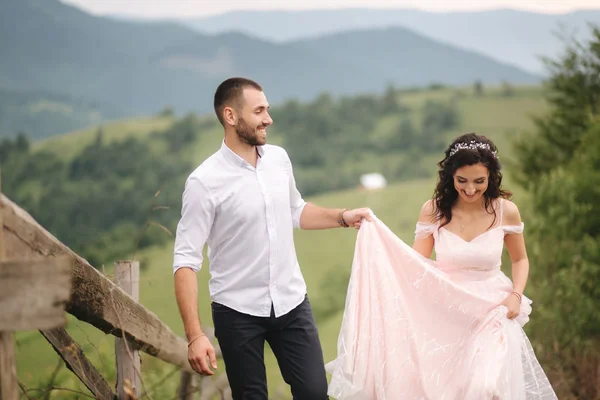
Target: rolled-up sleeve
x: 297, y: 203
x: 197, y: 216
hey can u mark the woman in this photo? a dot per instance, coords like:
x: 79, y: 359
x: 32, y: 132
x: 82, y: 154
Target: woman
x: 449, y: 329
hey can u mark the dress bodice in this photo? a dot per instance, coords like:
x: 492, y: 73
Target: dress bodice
x: 482, y: 254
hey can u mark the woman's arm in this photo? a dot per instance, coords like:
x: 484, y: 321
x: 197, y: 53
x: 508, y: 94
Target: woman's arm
x: 515, y: 245
x: 423, y: 242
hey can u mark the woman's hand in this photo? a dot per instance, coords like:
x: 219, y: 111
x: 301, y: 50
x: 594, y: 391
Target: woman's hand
x: 513, y: 303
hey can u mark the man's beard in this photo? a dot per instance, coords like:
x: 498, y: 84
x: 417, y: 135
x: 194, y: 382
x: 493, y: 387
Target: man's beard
x: 247, y: 134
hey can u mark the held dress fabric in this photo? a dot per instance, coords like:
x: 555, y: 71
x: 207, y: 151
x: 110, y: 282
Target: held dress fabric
x: 418, y: 329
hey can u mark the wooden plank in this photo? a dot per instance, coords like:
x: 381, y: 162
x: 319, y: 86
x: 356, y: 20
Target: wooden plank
x: 94, y: 298
x: 33, y: 293
x: 127, y: 356
x: 9, y: 389
x: 78, y: 363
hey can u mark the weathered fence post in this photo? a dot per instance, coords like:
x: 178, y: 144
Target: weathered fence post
x: 33, y: 294
x: 188, y: 386
x: 226, y: 394
x: 127, y: 277
x: 8, y: 370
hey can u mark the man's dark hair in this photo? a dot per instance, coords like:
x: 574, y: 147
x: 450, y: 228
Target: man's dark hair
x: 229, y: 93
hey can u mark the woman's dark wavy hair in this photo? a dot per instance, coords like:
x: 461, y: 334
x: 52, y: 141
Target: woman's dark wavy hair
x: 445, y: 195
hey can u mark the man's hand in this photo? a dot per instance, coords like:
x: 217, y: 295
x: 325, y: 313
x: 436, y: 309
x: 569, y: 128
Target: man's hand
x: 354, y: 217
x: 198, y: 351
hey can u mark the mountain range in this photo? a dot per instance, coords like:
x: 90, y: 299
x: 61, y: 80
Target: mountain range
x: 140, y: 68
x: 516, y: 37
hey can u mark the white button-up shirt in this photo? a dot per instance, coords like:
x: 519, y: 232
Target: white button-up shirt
x: 246, y: 215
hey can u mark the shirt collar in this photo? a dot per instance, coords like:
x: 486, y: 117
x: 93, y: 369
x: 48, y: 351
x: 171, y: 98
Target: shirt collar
x: 234, y: 158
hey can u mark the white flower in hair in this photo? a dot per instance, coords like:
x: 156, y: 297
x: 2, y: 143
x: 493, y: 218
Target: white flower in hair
x: 472, y: 145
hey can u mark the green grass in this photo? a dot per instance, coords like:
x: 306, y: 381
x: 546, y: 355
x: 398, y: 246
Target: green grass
x: 323, y: 255
x: 70, y: 144
x: 500, y: 118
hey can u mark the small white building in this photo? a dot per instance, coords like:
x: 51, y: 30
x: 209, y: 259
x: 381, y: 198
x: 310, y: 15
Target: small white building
x: 373, y: 181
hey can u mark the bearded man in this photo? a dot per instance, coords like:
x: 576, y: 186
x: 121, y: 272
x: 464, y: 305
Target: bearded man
x: 243, y: 203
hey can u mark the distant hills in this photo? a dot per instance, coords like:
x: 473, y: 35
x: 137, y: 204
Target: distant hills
x: 42, y: 114
x: 515, y: 37
x: 141, y: 68
x: 399, y: 56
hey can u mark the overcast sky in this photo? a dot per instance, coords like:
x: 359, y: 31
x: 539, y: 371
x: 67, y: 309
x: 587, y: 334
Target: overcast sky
x: 192, y: 8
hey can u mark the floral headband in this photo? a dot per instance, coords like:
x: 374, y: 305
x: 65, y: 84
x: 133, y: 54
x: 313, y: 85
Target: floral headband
x: 472, y: 145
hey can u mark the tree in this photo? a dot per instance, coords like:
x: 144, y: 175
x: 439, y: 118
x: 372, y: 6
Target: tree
x: 478, y: 88
x: 390, y: 100
x: 405, y: 137
x: 573, y: 91
x: 507, y: 89
x: 99, y: 137
x: 559, y: 165
x: 14, y: 148
x: 438, y: 117
x: 167, y: 112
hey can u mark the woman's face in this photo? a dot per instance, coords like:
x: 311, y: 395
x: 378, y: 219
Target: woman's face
x: 471, y: 182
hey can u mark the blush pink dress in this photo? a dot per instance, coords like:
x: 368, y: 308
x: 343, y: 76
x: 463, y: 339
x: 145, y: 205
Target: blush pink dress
x: 418, y: 329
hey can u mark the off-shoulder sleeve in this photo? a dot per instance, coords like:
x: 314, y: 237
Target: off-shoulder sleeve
x: 510, y: 229
x: 424, y: 229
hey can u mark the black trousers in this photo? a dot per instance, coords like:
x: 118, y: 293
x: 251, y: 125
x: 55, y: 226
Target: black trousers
x: 295, y: 343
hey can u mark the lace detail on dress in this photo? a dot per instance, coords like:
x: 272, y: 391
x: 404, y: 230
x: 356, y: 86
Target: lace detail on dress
x: 424, y: 229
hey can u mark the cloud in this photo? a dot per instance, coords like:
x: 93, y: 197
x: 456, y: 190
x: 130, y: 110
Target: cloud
x: 189, y: 8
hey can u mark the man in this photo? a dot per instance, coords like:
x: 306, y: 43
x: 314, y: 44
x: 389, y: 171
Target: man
x: 243, y: 202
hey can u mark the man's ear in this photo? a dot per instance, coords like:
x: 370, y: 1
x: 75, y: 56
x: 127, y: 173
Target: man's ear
x: 229, y: 116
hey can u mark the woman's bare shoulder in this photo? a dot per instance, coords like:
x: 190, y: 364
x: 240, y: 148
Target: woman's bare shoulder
x: 427, y: 213
x: 510, y: 213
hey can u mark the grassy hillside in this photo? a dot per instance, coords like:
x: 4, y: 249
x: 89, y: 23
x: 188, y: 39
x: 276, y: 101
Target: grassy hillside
x: 112, y: 172
x: 41, y: 115
x: 493, y: 114
x: 72, y: 143
x: 325, y: 256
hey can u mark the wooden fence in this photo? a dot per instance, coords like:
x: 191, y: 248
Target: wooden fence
x: 41, y: 279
